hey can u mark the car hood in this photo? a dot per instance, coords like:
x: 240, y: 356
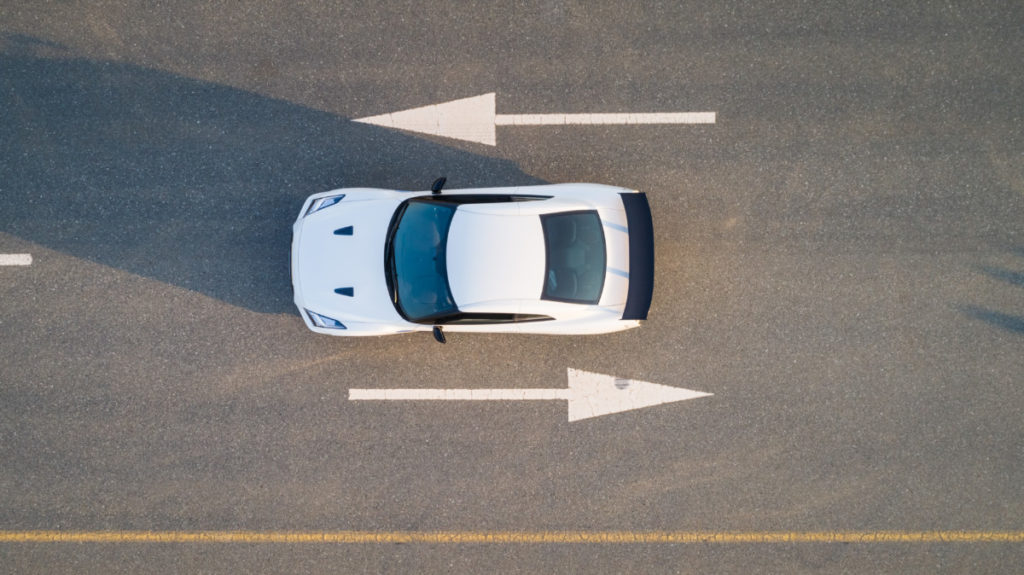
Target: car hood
x: 341, y: 249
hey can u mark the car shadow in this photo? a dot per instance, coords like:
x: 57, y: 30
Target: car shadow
x: 187, y: 182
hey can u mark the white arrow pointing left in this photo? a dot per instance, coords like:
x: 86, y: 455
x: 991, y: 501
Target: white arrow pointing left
x: 474, y: 119
x: 589, y: 394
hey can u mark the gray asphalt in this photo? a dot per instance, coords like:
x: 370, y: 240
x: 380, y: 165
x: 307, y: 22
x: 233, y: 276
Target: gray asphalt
x: 840, y: 261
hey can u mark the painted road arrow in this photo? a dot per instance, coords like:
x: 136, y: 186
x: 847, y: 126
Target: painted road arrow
x: 589, y: 394
x: 474, y: 119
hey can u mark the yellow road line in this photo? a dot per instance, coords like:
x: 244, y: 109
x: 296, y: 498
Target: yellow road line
x: 555, y: 537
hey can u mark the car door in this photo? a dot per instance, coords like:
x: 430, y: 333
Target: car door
x: 488, y: 322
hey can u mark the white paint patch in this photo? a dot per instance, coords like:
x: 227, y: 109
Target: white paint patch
x: 589, y: 394
x: 15, y: 259
x: 474, y: 119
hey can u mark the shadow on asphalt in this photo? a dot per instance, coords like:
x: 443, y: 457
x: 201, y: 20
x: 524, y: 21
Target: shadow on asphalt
x: 1001, y: 320
x: 187, y: 182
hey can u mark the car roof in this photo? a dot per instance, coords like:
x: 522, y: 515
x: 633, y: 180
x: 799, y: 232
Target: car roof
x: 495, y: 257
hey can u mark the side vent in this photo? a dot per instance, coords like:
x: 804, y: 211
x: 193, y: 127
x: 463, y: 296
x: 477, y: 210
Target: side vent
x: 345, y: 231
x: 350, y: 292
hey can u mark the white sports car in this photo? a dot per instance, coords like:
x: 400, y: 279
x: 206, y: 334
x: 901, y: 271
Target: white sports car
x: 554, y: 259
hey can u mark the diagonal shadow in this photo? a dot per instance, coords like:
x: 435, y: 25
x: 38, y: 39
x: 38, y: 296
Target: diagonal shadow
x: 1008, y: 276
x: 1001, y: 320
x: 187, y: 182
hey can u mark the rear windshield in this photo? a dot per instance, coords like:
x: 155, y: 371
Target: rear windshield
x: 574, y: 244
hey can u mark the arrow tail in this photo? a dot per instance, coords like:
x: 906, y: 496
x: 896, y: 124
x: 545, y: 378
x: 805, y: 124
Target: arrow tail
x: 604, y: 119
x: 457, y: 394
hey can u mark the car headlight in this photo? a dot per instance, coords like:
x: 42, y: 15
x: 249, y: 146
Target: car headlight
x: 324, y: 321
x: 321, y: 203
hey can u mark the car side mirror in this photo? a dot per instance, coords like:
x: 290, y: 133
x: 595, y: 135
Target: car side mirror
x: 439, y: 334
x: 437, y: 185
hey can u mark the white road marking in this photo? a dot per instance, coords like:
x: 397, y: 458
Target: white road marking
x: 598, y: 119
x: 457, y: 394
x: 474, y: 119
x: 589, y: 394
x: 15, y: 259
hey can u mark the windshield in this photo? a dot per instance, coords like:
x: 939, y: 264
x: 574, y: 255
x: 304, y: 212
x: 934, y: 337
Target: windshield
x: 417, y: 273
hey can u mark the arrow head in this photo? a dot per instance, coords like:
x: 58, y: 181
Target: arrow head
x: 469, y: 119
x: 594, y: 394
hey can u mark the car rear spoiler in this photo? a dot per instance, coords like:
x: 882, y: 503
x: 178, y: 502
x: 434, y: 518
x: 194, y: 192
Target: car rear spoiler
x: 641, y: 256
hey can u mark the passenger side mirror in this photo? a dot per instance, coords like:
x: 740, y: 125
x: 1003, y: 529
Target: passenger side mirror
x: 439, y: 335
x: 438, y: 184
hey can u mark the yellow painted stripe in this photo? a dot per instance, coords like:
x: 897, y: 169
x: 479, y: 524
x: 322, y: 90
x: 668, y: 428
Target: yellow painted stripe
x: 555, y: 537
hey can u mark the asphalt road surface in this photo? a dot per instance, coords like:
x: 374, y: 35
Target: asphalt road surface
x: 840, y: 261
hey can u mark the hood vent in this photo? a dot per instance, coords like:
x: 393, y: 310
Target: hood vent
x: 345, y: 231
x: 350, y: 292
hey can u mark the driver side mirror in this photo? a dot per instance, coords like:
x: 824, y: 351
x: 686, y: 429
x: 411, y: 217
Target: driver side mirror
x: 439, y: 335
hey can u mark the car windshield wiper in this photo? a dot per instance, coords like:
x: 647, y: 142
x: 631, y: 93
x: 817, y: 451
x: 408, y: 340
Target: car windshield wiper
x: 390, y: 267
x: 392, y: 271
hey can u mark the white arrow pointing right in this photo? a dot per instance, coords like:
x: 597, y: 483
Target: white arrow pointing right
x: 589, y: 394
x: 594, y: 394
